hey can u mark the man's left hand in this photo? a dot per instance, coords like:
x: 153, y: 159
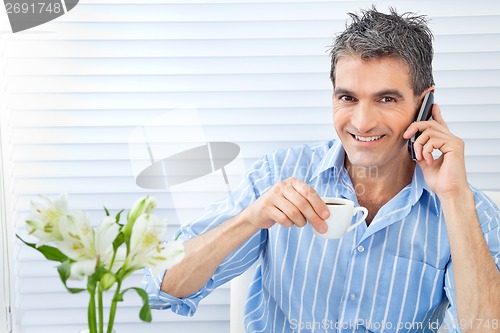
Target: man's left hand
x: 445, y: 175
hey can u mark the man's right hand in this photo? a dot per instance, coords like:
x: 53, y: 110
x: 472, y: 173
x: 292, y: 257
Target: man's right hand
x: 289, y: 203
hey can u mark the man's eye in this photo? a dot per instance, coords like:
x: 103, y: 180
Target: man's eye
x: 387, y: 99
x: 346, y: 98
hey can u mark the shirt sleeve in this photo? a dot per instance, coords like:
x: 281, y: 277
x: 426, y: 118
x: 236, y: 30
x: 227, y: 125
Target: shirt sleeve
x: 489, y: 219
x: 256, y: 182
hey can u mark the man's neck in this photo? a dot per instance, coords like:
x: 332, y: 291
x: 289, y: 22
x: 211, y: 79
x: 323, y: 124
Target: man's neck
x: 375, y: 186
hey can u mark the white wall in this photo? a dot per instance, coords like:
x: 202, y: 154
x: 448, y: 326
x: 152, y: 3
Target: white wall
x: 256, y: 72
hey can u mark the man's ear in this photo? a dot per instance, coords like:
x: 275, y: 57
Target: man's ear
x: 421, y: 98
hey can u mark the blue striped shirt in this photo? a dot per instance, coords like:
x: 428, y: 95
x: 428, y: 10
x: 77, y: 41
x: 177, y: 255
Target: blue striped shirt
x: 394, y: 275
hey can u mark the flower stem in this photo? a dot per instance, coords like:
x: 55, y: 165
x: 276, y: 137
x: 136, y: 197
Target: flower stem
x: 91, y: 313
x: 100, y: 306
x: 114, y: 304
x: 112, y: 260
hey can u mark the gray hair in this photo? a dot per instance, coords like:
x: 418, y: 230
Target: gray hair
x: 375, y: 35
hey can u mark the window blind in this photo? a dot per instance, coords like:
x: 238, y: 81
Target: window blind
x: 256, y: 73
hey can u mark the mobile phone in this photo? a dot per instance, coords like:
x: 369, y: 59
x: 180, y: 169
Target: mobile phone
x: 423, y: 115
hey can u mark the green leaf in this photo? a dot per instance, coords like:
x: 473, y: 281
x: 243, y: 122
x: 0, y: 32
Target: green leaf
x: 95, y: 278
x: 64, y: 270
x: 49, y: 252
x: 118, y: 297
x: 107, y: 211
x: 117, y: 218
x: 145, y: 313
x: 119, y: 240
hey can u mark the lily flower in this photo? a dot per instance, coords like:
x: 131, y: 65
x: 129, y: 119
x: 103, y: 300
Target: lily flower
x: 77, y: 236
x: 105, y: 234
x: 81, y: 269
x: 146, y: 249
x: 144, y: 205
x: 44, y: 222
x: 105, y: 255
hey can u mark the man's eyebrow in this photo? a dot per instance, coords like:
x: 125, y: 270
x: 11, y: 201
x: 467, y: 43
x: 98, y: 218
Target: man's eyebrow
x: 386, y: 92
x: 390, y: 92
x: 341, y: 91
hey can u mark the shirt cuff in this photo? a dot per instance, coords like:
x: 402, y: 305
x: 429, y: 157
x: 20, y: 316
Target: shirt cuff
x: 163, y: 301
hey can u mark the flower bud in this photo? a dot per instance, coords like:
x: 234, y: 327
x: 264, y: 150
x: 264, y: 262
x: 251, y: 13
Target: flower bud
x: 144, y: 205
x: 107, y: 281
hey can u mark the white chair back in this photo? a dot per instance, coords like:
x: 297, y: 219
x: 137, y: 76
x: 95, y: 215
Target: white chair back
x: 239, y: 290
x: 494, y: 195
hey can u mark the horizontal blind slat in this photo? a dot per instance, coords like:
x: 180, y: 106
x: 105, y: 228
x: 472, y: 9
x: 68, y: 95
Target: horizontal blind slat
x: 259, y: 11
x: 207, y: 83
x: 304, y: 28
x: 218, y: 47
x: 220, y: 65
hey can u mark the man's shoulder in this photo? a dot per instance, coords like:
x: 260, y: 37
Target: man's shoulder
x: 303, y: 151
x: 485, y: 200
x: 297, y: 161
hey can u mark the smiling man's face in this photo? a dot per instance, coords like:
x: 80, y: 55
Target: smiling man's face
x: 373, y: 105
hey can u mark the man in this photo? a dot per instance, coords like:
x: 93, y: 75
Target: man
x: 430, y: 242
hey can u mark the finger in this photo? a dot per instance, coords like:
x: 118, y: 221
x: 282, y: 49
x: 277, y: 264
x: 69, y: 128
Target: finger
x: 418, y: 126
x: 421, y: 147
x: 278, y: 216
x: 307, y: 200
x: 301, y: 206
x: 434, y: 143
x: 437, y: 122
x: 427, y: 154
x: 419, y: 144
x: 438, y: 116
x: 293, y: 214
x: 312, y: 197
x: 434, y: 131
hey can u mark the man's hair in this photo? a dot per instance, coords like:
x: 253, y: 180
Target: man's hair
x: 374, y: 35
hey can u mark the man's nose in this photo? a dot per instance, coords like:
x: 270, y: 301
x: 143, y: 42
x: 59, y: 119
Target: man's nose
x: 363, y: 118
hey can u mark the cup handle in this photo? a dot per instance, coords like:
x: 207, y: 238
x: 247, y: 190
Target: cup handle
x: 358, y: 222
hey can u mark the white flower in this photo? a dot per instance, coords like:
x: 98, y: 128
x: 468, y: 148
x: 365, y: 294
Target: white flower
x: 166, y: 255
x: 88, y: 247
x: 44, y: 222
x: 147, y: 231
x: 105, y: 234
x: 77, y: 236
x: 81, y: 269
x: 120, y: 256
x: 144, y: 205
x: 146, y: 250
x: 105, y: 255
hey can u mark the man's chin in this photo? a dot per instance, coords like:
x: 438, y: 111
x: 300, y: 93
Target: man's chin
x: 363, y: 159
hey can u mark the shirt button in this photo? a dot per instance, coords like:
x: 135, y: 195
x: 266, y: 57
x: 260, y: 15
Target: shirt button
x: 352, y: 296
x: 361, y: 248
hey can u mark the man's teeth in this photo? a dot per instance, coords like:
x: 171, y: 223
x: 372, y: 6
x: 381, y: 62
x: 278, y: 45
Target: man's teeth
x: 367, y: 138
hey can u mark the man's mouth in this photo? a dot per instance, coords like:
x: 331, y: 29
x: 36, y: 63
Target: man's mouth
x: 367, y: 138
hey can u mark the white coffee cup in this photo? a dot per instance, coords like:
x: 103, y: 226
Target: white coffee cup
x: 341, y: 215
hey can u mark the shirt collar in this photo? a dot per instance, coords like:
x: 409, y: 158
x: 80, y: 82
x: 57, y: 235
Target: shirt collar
x: 418, y: 186
x: 333, y: 159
